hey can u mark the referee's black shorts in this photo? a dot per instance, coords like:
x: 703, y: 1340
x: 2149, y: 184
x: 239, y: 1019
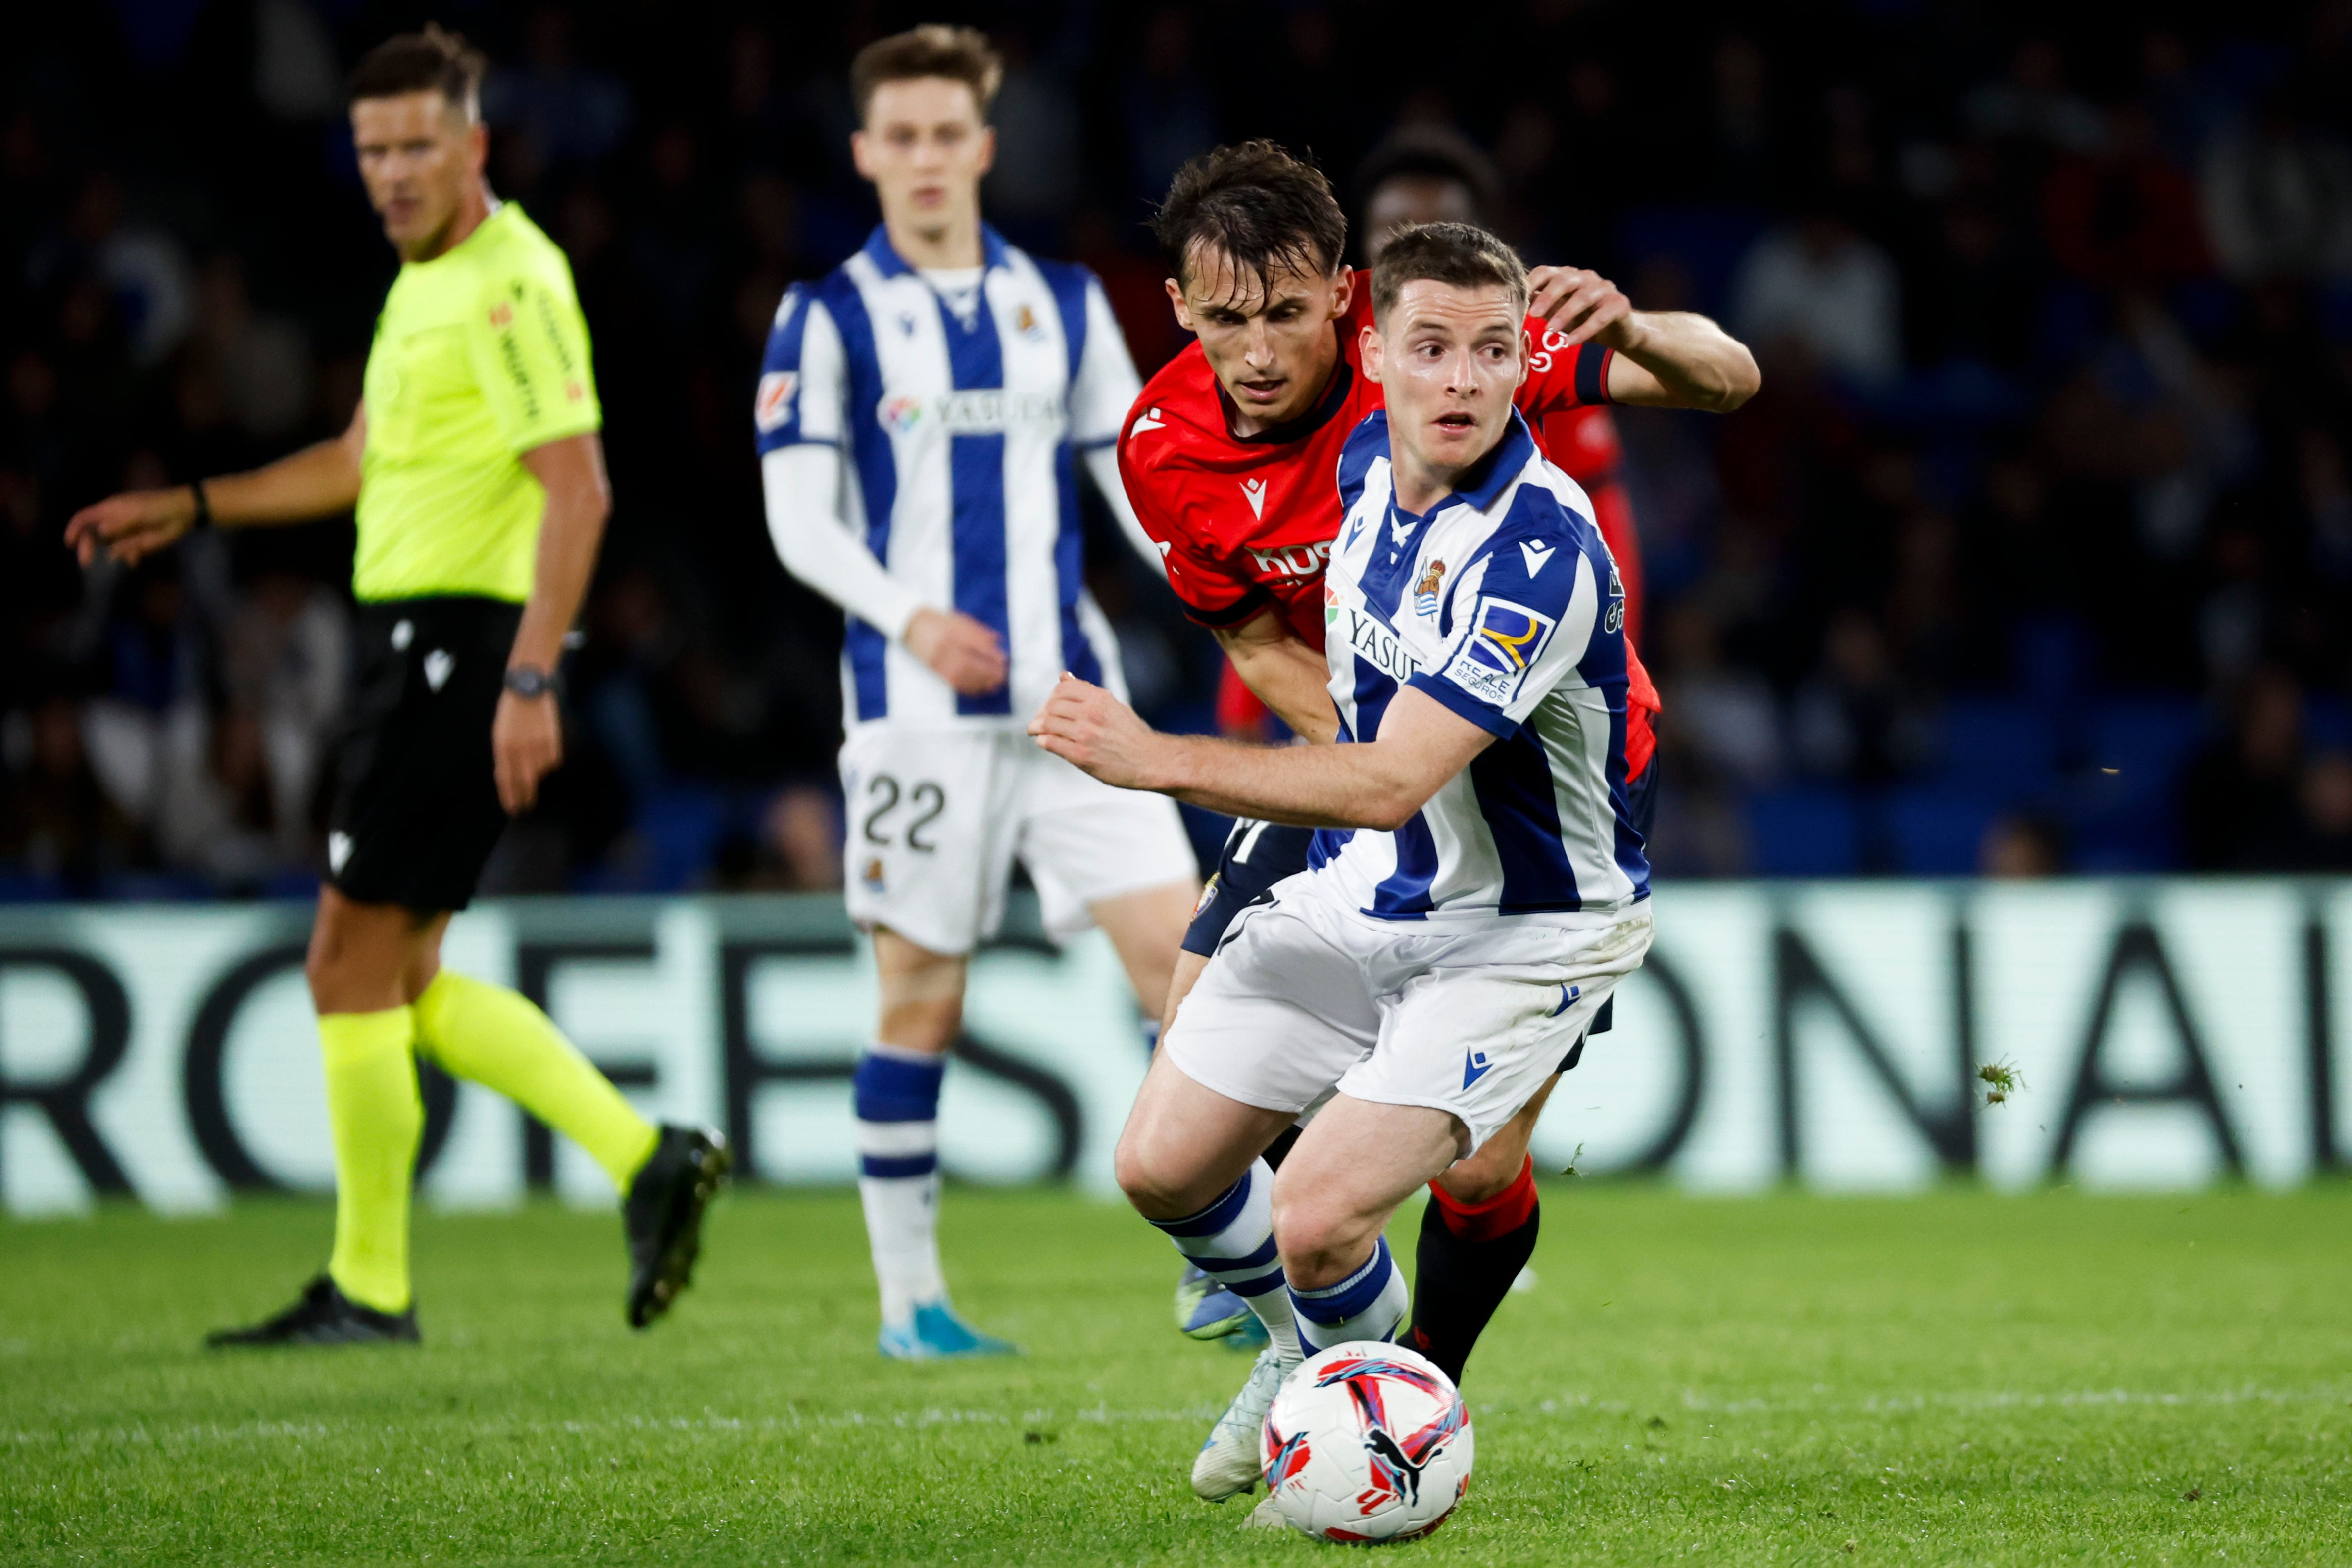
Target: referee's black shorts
x: 416, y: 809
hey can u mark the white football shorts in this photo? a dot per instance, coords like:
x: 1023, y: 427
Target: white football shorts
x: 937, y: 817
x: 1466, y: 1014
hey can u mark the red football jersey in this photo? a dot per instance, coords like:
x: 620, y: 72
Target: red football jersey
x: 1583, y: 443
x: 1244, y: 522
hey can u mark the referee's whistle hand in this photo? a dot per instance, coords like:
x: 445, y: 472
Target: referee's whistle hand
x: 965, y: 652
x: 526, y: 745
x: 130, y: 526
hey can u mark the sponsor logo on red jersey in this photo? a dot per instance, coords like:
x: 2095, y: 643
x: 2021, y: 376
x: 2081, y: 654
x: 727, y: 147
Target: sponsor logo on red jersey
x: 1292, y: 561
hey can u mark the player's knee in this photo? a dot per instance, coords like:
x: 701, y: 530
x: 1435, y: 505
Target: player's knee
x: 1319, y: 1239
x: 1485, y: 1175
x: 326, y: 964
x: 1153, y: 1180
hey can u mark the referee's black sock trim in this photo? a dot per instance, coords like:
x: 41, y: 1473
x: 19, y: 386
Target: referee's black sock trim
x: 1461, y: 1276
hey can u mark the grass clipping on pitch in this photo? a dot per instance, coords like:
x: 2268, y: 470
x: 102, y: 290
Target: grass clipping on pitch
x: 1957, y: 1378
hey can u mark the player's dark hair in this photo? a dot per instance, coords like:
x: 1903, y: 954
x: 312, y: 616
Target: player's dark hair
x: 1431, y: 152
x: 429, y: 61
x: 959, y: 54
x: 1460, y: 255
x: 1264, y: 210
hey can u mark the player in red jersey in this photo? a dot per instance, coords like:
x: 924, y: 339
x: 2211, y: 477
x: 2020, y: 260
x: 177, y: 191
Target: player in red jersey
x: 1230, y: 457
x: 1434, y: 174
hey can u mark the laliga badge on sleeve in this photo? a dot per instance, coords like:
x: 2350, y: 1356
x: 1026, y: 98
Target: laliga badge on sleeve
x: 772, y: 408
x: 1503, y: 644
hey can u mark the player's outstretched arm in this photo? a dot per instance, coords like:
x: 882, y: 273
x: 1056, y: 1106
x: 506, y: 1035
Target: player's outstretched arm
x: 317, y: 481
x: 527, y: 735
x: 1285, y: 673
x: 1378, y: 785
x: 1665, y: 358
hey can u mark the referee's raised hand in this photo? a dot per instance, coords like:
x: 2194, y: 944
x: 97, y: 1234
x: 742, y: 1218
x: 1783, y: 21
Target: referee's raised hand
x: 132, y: 526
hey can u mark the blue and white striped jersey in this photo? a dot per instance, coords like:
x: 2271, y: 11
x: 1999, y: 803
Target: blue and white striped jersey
x: 962, y: 434
x: 1504, y: 605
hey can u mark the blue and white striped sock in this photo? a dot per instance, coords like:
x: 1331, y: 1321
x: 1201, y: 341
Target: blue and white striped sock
x: 897, y: 1101
x: 1232, y: 1241
x: 1368, y: 1304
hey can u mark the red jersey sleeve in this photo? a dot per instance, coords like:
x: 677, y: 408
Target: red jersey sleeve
x: 1208, y: 590
x: 1561, y: 374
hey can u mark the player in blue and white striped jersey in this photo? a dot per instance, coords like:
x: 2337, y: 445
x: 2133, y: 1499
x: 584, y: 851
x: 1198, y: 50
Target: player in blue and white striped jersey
x: 923, y: 413
x: 1479, y: 889
x: 1521, y: 636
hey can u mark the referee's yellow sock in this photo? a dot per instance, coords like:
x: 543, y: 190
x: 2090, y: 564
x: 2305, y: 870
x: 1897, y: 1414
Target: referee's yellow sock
x: 499, y: 1039
x: 376, y: 1115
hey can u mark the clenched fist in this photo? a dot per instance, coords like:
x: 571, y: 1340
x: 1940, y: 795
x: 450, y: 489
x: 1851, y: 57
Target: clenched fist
x: 1088, y: 726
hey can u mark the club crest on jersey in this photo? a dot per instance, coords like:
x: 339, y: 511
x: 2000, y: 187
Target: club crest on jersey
x: 873, y: 878
x: 1504, y: 642
x: 1025, y: 322
x: 1424, y: 593
x: 772, y: 408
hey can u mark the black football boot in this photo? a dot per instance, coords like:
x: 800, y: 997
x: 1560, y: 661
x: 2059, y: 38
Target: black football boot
x: 664, y: 1215
x: 324, y: 1316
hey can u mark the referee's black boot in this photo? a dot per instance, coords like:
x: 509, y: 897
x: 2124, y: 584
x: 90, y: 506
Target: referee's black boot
x: 324, y: 1316
x: 664, y: 1215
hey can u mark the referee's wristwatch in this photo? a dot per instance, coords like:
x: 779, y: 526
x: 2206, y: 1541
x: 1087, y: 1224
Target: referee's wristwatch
x: 529, y: 680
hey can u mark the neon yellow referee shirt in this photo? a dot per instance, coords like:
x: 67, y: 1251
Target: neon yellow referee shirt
x: 480, y: 355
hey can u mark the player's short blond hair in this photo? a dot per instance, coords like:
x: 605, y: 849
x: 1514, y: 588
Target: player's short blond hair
x: 959, y: 54
x: 1461, y: 255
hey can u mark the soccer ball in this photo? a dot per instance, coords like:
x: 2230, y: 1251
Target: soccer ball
x: 1367, y: 1442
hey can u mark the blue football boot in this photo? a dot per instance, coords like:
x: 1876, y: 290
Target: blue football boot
x: 936, y: 1333
x: 1206, y: 1310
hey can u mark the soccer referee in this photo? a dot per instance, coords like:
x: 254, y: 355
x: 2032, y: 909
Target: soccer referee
x: 478, y: 477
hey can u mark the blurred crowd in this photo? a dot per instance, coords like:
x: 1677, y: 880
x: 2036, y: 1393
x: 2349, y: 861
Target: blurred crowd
x: 2034, y: 554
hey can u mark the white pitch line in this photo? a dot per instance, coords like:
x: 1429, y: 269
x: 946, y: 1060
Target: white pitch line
x: 929, y: 1416
x: 426, y: 1427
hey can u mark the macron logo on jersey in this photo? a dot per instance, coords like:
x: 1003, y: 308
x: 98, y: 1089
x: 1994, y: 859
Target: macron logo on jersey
x: 1148, y: 420
x: 1537, y: 554
x: 1475, y: 1067
x: 1254, y: 491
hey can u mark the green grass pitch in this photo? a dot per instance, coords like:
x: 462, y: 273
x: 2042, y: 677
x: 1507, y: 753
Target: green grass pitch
x: 1958, y: 1378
